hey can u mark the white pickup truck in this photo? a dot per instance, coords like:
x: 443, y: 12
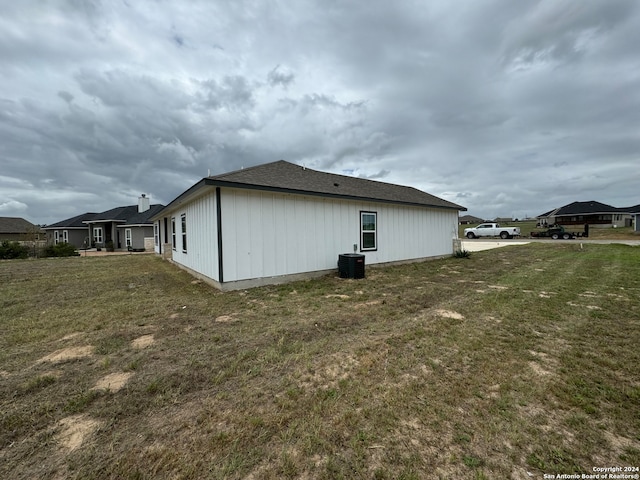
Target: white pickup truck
x: 492, y: 230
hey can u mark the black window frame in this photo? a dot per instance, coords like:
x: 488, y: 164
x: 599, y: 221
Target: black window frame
x: 173, y: 233
x: 183, y: 231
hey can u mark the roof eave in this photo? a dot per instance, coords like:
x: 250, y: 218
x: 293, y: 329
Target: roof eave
x: 187, y: 195
x: 195, y: 191
x: 221, y: 183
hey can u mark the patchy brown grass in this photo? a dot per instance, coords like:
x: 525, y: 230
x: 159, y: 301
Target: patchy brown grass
x: 488, y: 367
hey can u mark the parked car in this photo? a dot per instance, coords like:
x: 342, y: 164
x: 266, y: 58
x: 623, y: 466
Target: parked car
x: 492, y: 230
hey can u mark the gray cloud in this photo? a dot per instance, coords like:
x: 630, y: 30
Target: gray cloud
x: 509, y: 108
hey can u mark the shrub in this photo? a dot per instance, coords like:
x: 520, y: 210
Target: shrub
x: 462, y: 253
x: 10, y: 250
x: 62, y: 249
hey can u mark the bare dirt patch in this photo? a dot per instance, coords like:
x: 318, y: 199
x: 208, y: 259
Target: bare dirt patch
x: 537, y: 368
x: 225, y: 319
x: 367, y: 304
x: 494, y: 391
x: 588, y: 295
x: 70, y: 336
x: 143, y: 341
x: 113, y: 382
x: 71, y: 353
x: 588, y: 307
x: 75, y: 430
x: 449, y: 314
x: 619, y: 444
x: 544, y: 294
x: 339, y: 368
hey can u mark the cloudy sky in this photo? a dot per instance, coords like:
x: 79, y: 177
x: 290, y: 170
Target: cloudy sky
x: 509, y: 108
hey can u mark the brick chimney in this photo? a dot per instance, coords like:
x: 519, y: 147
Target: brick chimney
x: 143, y: 203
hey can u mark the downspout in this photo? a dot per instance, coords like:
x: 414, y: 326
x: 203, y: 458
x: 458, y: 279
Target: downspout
x: 219, y: 231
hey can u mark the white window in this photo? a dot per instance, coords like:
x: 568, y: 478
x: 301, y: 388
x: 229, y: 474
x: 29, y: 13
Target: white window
x: 156, y: 237
x: 368, y: 231
x: 56, y: 237
x: 127, y: 237
x: 183, y: 221
x: 97, y: 235
x: 173, y: 233
x: 65, y: 236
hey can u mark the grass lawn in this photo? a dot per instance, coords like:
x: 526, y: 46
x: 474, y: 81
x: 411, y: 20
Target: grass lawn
x: 520, y: 359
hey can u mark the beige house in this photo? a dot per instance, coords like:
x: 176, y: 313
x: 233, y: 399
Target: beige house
x: 16, y: 229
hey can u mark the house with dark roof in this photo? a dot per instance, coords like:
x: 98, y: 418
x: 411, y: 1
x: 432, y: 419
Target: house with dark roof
x: 635, y: 215
x: 72, y: 230
x: 126, y: 228
x: 595, y: 214
x: 17, y: 229
x: 280, y: 221
x: 469, y: 220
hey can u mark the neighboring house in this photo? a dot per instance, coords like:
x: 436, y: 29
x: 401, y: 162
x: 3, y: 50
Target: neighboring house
x: 543, y: 219
x: 16, y: 229
x: 279, y: 221
x: 594, y: 213
x: 469, y: 220
x: 72, y: 230
x: 128, y: 228
x: 504, y: 220
x: 635, y: 214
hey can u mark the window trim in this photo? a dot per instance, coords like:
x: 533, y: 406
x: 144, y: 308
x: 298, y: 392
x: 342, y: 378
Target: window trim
x: 156, y: 233
x: 183, y: 231
x: 363, y: 231
x: 65, y: 236
x: 56, y: 237
x: 128, y: 238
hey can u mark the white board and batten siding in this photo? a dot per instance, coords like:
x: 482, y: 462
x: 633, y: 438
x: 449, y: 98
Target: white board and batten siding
x: 268, y: 234
x: 202, y: 236
x: 272, y: 234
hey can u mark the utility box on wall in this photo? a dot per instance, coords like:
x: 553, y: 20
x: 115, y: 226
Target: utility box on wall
x: 351, y: 265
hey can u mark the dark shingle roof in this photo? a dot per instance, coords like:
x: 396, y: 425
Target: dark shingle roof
x: 128, y: 215
x: 634, y: 209
x: 124, y: 215
x: 582, y: 208
x: 144, y: 217
x: 118, y: 214
x: 587, y: 208
x: 15, y: 225
x: 73, y: 222
x: 470, y: 218
x: 285, y: 176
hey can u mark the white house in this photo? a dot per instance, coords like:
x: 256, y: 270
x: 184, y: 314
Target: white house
x: 279, y: 222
